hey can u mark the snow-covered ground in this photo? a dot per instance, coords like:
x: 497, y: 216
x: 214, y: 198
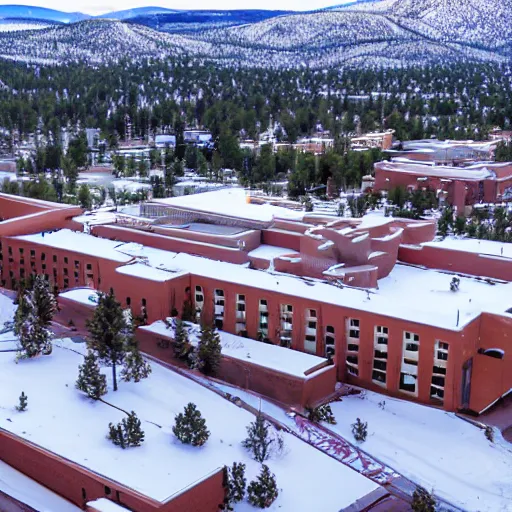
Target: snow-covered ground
x: 66, y: 422
x: 433, y: 448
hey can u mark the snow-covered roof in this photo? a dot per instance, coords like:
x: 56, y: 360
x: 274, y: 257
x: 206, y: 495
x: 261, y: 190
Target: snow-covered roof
x: 473, y: 245
x: 409, y: 293
x: 274, y: 357
x: 230, y: 202
x: 60, y: 419
x: 80, y: 243
x: 439, y: 171
x: 86, y: 296
x: 144, y: 271
x: 269, y: 252
x: 105, y: 505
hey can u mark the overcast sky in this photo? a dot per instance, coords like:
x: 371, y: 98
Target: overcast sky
x: 96, y: 7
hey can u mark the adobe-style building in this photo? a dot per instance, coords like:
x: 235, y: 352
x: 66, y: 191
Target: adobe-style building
x: 355, y: 292
x: 457, y: 186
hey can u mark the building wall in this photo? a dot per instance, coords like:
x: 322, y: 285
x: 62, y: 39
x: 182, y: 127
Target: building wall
x: 457, y: 261
x: 166, y: 243
x: 79, y: 485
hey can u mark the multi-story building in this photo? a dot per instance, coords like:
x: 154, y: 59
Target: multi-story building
x: 353, y: 291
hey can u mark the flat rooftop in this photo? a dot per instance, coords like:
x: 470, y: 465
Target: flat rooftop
x: 213, y: 229
x: 273, y: 357
x: 80, y: 243
x: 230, y: 202
x: 410, y: 293
x: 60, y: 419
x: 473, y: 245
x: 438, y: 171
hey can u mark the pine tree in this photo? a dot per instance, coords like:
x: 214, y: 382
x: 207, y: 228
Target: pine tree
x: 236, y: 484
x: 127, y: 433
x: 134, y: 433
x: 136, y: 367
x: 181, y: 344
x: 35, y: 312
x: 262, y: 492
x: 190, y: 426
x: 259, y: 440
x: 322, y: 413
x: 423, y: 501
x: 108, y: 331
x: 208, y: 351
x: 22, y: 406
x: 90, y: 380
x: 360, y: 430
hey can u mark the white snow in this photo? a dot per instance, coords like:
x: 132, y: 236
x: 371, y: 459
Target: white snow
x: 432, y: 302
x: 473, y: 245
x: 274, y: 357
x: 105, y: 505
x: 269, y: 252
x: 434, y: 448
x: 231, y: 202
x: 146, y: 272
x: 86, y: 296
x: 28, y: 491
x: 62, y: 420
x: 81, y: 243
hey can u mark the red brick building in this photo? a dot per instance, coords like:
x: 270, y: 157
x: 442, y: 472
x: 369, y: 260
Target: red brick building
x: 331, y: 288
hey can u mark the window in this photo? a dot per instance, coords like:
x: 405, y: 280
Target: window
x: 65, y: 260
x: 43, y: 266
x: 199, y: 302
x: 380, y: 355
x: 108, y: 491
x: 32, y: 253
x: 65, y: 271
x: 43, y: 256
x: 21, y: 250
x: 89, y: 266
x: 77, y: 264
x: 128, y: 301
x: 219, y: 303
x: 76, y: 277
x: 439, y: 370
x: 330, y: 341
x: 66, y: 282
x: 286, y: 325
x: 310, y: 331
x: 263, y: 319
x: 54, y: 258
x: 22, y: 273
x: 240, y: 315
x: 353, y: 333
x: 9, y: 250
x: 409, y: 367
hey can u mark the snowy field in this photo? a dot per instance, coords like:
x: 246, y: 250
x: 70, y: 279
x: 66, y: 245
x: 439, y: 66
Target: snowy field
x: 434, y: 449
x: 65, y: 421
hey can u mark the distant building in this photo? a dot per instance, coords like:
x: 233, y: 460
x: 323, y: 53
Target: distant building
x: 197, y: 136
x: 163, y: 141
x: 382, y: 140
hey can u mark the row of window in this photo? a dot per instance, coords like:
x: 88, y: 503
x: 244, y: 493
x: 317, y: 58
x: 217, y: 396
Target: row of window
x: 286, y: 321
x: 409, y: 362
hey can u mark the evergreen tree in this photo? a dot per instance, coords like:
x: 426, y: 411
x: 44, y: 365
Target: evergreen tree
x: 22, y: 406
x: 127, y: 433
x: 84, y: 196
x: 181, y: 344
x: 90, y: 380
x: 32, y: 320
x: 262, y: 492
x: 208, y: 351
x: 190, y: 426
x: 236, y: 484
x: 108, y: 331
x: 259, y: 440
x: 136, y: 367
x: 360, y: 430
x: 423, y: 501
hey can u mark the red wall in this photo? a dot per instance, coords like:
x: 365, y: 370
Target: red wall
x: 171, y: 244
x: 71, y: 480
x: 457, y: 261
x: 287, y: 389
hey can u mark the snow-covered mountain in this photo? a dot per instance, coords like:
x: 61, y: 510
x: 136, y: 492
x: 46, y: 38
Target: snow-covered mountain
x: 367, y: 33
x: 40, y: 13
x: 139, y: 11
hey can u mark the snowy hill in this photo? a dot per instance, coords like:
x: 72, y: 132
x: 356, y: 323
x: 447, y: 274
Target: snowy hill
x: 365, y: 33
x: 40, y: 13
x: 132, y: 13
